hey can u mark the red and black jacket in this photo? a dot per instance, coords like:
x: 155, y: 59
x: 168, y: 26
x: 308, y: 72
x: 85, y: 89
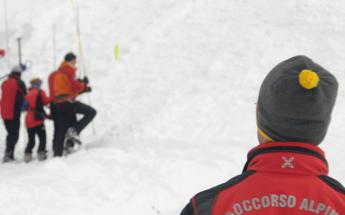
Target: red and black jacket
x: 282, y: 178
x: 12, y: 98
x: 35, y: 115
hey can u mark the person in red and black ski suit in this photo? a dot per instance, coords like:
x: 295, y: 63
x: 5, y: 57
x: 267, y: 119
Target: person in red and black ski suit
x: 13, y: 93
x: 64, y: 89
x: 287, y: 174
x: 36, y: 100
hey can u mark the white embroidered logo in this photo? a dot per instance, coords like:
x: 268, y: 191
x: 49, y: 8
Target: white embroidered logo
x: 288, y: 162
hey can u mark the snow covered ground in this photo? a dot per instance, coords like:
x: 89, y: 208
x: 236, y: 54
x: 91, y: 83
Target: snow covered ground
x: 176, y: 112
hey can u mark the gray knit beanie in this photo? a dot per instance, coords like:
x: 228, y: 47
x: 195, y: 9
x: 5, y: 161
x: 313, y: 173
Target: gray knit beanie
x: 296, y: 101
x: 17, y: 69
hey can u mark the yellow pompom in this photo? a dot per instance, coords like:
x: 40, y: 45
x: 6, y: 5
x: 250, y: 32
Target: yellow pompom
x: 308, y: 79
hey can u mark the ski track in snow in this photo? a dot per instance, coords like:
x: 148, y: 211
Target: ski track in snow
x: 176, y: 113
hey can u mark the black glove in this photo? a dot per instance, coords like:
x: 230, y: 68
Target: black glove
x: 40, y: 115
x: 23, y: 67
x: 86, y: 80
x: 25, y: 106
x: 87, y: 89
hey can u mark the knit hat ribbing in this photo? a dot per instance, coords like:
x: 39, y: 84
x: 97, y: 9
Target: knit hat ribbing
x: 296, y: 100
x: 17, y: 69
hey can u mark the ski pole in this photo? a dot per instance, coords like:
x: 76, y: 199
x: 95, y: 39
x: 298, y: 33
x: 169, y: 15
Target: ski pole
x: 2, y: 54
x: 6, y: 25
x: 19, y: 39
x: 28, y: 63
x: 83, y: 72
x: 4, y: 76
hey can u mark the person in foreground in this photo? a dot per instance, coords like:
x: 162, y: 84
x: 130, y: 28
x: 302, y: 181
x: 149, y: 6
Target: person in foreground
x: 287, y: 173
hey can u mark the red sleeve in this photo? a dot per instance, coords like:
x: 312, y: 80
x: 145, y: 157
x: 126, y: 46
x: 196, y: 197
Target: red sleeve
x: 51, y: 83
x: 77, y: 86
x: 45, y: 99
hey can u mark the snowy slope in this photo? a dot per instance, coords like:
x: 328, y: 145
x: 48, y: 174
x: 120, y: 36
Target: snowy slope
x: 176, y: 113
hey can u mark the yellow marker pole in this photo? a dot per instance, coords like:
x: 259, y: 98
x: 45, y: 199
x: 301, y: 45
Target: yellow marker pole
x: 117, y: 51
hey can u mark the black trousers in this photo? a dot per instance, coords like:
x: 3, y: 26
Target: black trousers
x: 12, y: 128
x: 88, y: 114
x: 40, y: 131
x: 65, y: 116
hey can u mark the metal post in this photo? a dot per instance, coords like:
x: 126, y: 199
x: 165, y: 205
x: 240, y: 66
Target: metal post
x: 19, y: 39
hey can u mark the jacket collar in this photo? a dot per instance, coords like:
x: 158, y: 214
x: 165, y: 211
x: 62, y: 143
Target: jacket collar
x: 15, y: 76
x: 33, y: 88
x: 287, y: 158
x: 65, y: 64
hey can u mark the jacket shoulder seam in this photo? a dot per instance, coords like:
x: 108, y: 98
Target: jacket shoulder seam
x: 336, y: 185
x: 212, y: 193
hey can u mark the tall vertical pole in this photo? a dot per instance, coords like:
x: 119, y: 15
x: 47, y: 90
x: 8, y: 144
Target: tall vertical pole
x: 7, y: 43
x: 19, y: 39
x: 6, y: 26
x: 75, y: 8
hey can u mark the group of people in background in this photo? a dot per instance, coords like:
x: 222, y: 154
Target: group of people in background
x: 64, y: 88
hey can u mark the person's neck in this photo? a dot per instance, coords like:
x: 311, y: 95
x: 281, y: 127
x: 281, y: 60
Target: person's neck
x: 14, y: 76
x: 263, y: 140
x: 71, y: 65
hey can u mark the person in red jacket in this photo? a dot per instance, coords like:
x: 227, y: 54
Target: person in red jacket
x: 64, y: 89
x: 36, y: 100
x: 12, y: 98
x: 287, y: 173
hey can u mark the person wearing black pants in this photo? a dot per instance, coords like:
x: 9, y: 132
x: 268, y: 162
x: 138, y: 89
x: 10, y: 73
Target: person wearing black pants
x: 12, y: 98
x: 88, y: 114
x: 12, y: 128
x: 40, y: 131
x: 65, y: 87
x: 36, y: 99
x: 73, y: 132
x: 64, y: 116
